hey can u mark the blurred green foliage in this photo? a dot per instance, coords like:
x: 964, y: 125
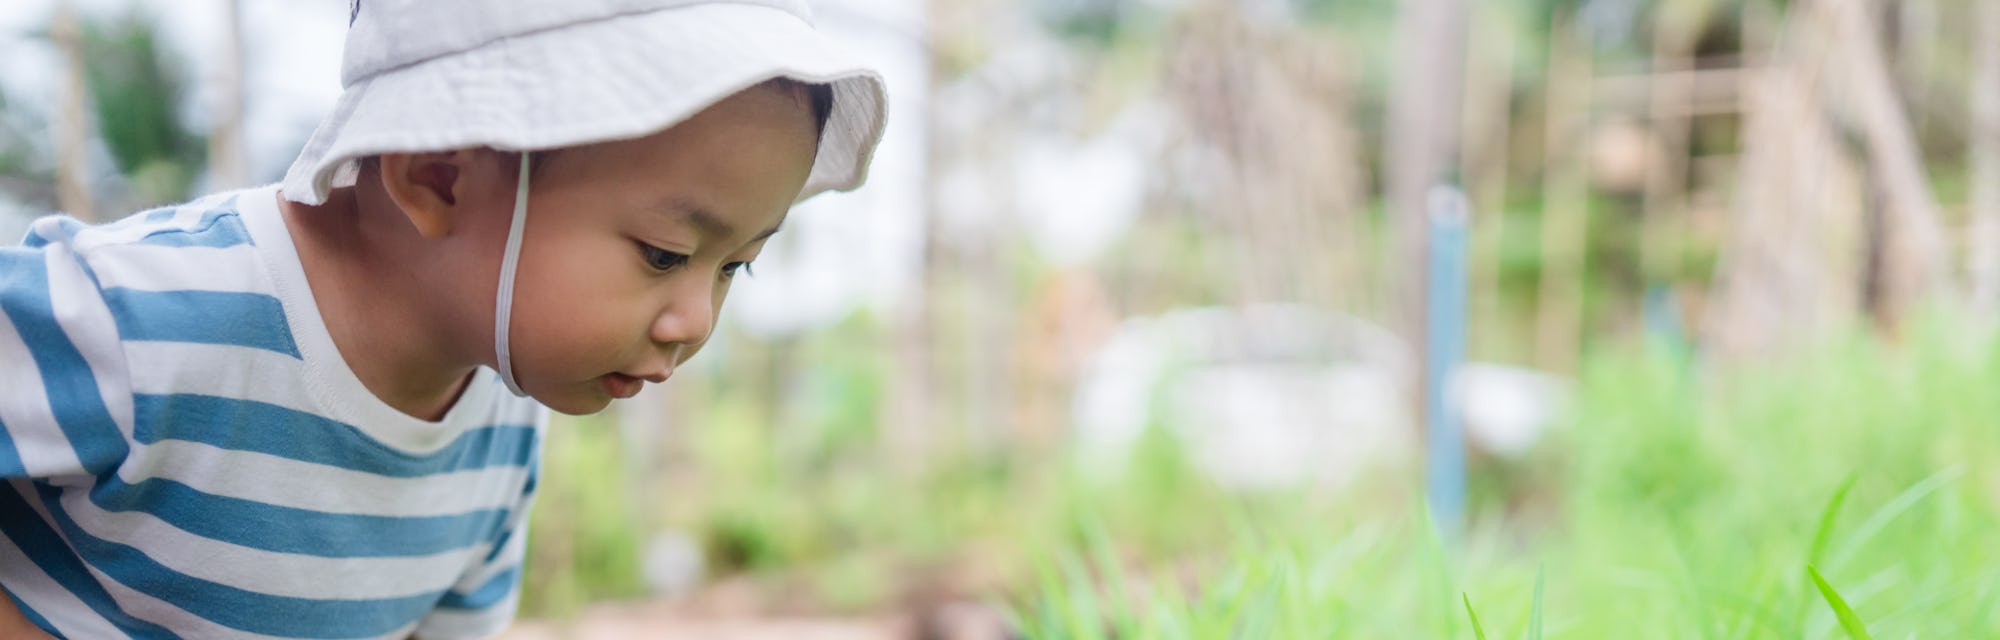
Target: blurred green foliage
x: 584, y: 533
x: 138, y: 91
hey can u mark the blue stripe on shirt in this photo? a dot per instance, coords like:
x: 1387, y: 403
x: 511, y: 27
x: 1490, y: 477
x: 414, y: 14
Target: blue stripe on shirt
x: 252, y: 320
x: 495, y: 590
x: 248, y: 425
x: 71, y: 386
x: 32, y: 615
x: 270, y: 527
x: 47, y: 550
x: 218, y: 227
x: 11, y: 465
x: 66, y: 225
x: 233, y: 607
x: 85, y: 565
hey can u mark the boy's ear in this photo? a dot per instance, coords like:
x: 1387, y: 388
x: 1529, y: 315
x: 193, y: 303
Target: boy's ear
x: 425, y: 186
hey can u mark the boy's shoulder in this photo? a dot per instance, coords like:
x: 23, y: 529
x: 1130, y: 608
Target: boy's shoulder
x: 212, y: 221
x: 187, y: 273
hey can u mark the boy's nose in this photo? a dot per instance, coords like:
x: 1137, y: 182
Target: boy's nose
x: 687, y: 320
x: 658, y: 372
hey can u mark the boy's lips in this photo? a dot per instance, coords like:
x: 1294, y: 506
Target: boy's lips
x: 622, y: 386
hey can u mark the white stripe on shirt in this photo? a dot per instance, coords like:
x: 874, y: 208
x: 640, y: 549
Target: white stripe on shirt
x: 146, y: 267
x: 452, y: 623
x: 87, y: 320
x: 270, y: 572
x: 219, y: 370
x: 298, y: 484
x: 24, y: 409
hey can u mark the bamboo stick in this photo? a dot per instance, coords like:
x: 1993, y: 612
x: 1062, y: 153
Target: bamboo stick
x: 1916, y: 54
x: 1709, y: 90
x: 1488, y: 118
x: 1985, y: 167
x: 1664, y: 203
x: 1565, y: 199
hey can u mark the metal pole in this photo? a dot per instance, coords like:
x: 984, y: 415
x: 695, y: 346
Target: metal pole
x: 1444, y: 350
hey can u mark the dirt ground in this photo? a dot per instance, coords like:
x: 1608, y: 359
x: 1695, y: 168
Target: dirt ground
x: 635, y: 624
x: 965, y: 621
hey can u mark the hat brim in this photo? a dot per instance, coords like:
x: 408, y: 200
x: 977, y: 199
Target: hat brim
x: 599, y: 81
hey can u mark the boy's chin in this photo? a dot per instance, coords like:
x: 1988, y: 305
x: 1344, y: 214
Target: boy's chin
x: 573, y: 402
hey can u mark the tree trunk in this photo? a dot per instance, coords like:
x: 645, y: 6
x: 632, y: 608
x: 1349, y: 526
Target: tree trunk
x: 73, y: 126
x: 1797, y: 239
x: 1915, y: 252
x: 226, y: 164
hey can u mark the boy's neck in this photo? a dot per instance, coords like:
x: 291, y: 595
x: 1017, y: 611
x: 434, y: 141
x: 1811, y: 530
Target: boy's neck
x: 376, y: 296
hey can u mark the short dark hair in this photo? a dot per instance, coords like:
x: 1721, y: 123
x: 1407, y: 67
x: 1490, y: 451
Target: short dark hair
x: 819, y: 97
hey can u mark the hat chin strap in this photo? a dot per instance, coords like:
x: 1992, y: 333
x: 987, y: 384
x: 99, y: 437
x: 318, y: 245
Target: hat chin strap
x: 503, y: 306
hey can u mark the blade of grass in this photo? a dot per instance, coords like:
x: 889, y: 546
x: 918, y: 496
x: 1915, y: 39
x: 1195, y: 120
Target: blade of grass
x: 1826, y: 517
x: 1986, y: 602
x: 1889, y: 512
x: 1437, y: 579
x: 1477, y: 630
x: 1535, y: 609
x: 1084, y: 618
x: 1848, y: 619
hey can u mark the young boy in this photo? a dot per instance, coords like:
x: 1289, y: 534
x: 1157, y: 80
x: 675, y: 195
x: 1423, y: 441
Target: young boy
x: 285, y: 411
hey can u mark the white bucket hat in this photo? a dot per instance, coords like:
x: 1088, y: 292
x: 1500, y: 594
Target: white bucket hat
x: 532, y: 75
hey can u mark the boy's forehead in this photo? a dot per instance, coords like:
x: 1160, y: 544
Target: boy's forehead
x: 708, y: 223
x: 717, y: 187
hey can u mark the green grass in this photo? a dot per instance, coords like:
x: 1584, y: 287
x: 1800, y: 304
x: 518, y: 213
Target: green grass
x: 1848, y: 620
x: 1680, y: 500
x: 1677, y: 502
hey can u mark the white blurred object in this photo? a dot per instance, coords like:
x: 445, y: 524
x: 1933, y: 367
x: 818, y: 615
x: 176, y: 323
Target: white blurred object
x: 1505, y: 409
x: 672, y: 564
x: 1268, y: 396
x: 1077, y: 197
x: 1264, y: 426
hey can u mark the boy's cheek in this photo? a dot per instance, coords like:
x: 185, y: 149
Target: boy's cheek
x: 687, y: 353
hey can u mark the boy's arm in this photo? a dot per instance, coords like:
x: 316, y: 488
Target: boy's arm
x: 65, y: 399
x: 483, y: 603
x: 15, y: 625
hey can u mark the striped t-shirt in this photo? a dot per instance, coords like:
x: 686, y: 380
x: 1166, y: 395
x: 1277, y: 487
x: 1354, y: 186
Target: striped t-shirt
x: 184, y: 453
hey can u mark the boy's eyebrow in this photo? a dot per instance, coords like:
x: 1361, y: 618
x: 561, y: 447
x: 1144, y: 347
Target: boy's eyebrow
x: 710, y: 224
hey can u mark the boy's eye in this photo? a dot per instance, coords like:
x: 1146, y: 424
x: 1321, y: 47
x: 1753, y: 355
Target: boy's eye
x: 661, y: 259
x: 729, y: 270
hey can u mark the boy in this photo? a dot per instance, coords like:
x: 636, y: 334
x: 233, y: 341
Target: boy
x: 284, y: 412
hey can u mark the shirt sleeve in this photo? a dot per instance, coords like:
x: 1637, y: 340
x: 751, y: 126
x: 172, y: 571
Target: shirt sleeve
x: 483, y: 602
x: 65, y: 394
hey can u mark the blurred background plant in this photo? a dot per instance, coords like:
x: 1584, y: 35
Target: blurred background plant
x: 1127, y: 336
